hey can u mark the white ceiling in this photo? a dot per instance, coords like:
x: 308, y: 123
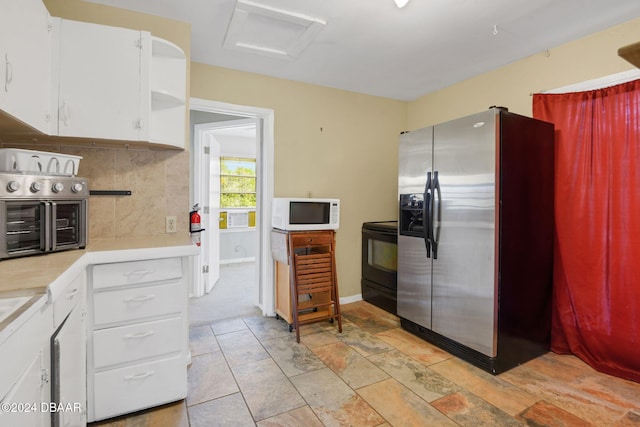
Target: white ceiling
x: 372, y: 47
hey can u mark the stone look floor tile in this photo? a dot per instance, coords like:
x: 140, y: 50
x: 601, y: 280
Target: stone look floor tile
x: 363, y: 342
x: 545, y: 414
x: 333, y: 401
x: 320, y: 326
x: 202, y: 340
x: 353, y: 368
x: 400, y: 406
x: 492, y: 389
x: 291, y: 357
x: 295, y: 418
x: 265, y: 328
x: 469, y: 410
x: 227, y: 326
x: 369, y: 322
x: 413, y: 346
x: 266, y: 389
x: 572, y: 385
x: 226, y: 411
x: 209, y: 378
x: 319, y: 339
x: 366, y: 310
x: 426, y: 383
x: 241, y: 347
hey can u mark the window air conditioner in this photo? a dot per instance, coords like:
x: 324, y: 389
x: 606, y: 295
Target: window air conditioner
x: 237, y: 219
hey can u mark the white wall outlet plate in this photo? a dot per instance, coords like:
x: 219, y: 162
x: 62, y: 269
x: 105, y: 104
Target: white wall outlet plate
x: 171, y: 224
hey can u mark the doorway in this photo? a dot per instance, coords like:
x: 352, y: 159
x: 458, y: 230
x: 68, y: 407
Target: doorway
x: 236, y: 258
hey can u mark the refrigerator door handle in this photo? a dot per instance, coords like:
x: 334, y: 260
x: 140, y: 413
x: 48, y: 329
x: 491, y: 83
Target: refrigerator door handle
x: 437, y: 210
x: 426, y: 211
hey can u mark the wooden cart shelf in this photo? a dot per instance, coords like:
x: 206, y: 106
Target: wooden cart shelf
x: 306, y: 279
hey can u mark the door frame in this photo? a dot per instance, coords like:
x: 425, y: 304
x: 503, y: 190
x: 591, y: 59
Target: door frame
x: 265, y: 166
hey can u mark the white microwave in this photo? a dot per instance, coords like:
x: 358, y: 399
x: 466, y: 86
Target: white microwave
x: 301, y: 214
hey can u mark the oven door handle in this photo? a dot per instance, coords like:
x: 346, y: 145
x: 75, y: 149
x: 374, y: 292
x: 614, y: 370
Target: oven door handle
x: 45, y: 221
x: 54, y: 228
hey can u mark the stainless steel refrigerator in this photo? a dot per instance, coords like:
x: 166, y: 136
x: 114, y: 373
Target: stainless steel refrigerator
x: 475, y: 236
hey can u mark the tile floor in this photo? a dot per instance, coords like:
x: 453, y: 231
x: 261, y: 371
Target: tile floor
x: 250, y: 372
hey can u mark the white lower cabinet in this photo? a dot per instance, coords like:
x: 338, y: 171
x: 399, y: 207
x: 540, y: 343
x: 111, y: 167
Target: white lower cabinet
x: 135, y: 387
x: 123, y: 344
x: 22, y: 405
x: 137, y: 336
x: 25, y: 372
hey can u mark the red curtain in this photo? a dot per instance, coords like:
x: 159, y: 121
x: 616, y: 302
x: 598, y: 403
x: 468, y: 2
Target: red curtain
x: 596, y: 307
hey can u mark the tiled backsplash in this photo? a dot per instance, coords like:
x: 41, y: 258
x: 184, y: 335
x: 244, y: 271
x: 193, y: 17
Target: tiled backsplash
x: 158, y: 181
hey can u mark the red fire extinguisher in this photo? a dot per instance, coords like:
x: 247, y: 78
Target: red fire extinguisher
x: 195, y: 226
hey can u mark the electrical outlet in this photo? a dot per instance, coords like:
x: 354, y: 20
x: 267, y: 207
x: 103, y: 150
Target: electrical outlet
x: 170, y: 224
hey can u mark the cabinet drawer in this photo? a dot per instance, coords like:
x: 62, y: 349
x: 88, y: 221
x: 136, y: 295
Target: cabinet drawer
x: 306, y: 239
x: 64, y: 303
x: 132, y: 388
x: 134, y: 342
x: 138, y: 303
x: 136, y: 272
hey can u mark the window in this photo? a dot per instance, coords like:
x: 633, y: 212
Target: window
x: 237, y: 182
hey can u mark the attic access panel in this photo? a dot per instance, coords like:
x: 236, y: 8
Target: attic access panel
x: 265, y: 30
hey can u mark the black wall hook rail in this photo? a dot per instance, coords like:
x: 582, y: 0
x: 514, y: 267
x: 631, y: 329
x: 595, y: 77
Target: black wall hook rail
x: 109, y: 192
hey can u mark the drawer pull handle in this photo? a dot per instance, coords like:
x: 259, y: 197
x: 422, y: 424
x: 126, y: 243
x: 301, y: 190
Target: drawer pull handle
x: 141, y: 298
x: 139, y: 335
x: 72, y: 293
x: 139, y: 376
x: 137, y: 273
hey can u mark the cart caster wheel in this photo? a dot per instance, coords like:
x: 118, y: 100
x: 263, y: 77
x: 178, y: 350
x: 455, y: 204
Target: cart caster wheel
x: 315, y: 309
x: 330, y: 320
x: 290, y: 328
x: 277, y: 316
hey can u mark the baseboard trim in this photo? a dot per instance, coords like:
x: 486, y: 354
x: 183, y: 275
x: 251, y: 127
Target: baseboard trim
x: 350, y: 299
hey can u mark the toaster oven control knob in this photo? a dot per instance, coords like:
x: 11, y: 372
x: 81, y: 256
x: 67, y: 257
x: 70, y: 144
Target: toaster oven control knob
x: 57, y: 187
x: 77, y: 187
x: 13, y: 186
x: 35, y: 187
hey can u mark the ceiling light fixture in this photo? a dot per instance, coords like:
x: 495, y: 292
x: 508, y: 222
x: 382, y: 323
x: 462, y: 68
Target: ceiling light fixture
x: 401, y: 3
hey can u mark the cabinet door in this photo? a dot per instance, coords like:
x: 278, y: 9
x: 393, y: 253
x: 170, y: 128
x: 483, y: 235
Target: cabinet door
x: 22, y: 405
x: 69, y: 370
x: 99, y: 82
x: 25, y: 61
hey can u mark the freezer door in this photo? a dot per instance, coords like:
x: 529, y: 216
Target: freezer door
x: 415, y: 159
x: 464, y: 291
x: 414, y: 281
x: 414, y: 268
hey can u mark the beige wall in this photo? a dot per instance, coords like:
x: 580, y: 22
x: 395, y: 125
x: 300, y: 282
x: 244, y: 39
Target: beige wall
x: 328, y: 143
x: 511, y: 86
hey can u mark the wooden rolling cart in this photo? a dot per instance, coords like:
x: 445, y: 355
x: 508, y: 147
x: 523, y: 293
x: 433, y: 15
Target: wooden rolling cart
x: 306, y: 278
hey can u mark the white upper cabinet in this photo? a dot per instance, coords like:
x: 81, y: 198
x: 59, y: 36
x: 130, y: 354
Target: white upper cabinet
x: 118, y: 84
x: 25, y: 62
x: 101, y: 81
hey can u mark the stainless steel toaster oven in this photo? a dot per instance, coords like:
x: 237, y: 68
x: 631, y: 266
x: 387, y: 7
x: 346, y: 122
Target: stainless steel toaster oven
x: 42, y: 213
